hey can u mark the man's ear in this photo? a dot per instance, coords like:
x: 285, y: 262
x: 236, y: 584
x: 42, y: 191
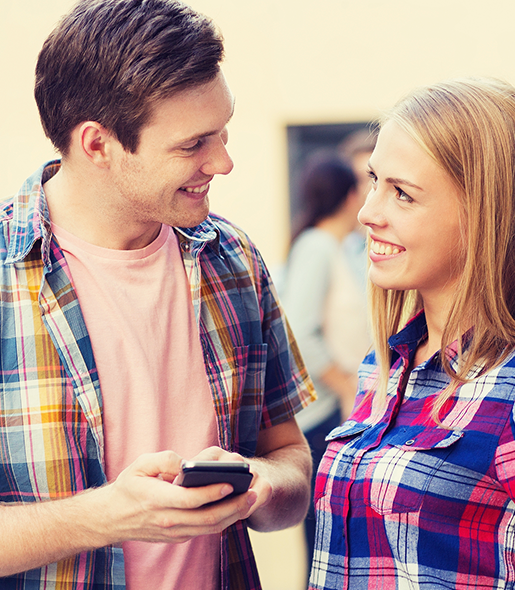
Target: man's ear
x: 95, y: 143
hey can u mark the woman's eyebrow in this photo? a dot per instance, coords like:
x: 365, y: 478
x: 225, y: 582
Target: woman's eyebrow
x: 391, y: 180
x: 403, y: 181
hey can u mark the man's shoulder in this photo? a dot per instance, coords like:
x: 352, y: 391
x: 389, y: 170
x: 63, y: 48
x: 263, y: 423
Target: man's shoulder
x: 232, y: 237
x: 228, y: 229
x: 6, y: 209
x: 6, y: 215
x: 22, y: 215
x: 236, y: 251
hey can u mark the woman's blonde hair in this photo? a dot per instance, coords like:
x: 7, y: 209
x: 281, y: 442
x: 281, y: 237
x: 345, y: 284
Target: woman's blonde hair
x: 468, y: 127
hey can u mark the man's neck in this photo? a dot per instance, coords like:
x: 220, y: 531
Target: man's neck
x: 79, y: 204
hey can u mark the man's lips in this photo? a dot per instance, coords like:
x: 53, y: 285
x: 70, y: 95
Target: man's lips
x: 195, y: 189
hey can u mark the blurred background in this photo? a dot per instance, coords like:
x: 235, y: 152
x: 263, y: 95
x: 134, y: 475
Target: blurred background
x: 303, y: 73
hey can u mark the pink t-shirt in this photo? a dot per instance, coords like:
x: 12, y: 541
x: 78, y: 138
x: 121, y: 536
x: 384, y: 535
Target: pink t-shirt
x: 139, y: 314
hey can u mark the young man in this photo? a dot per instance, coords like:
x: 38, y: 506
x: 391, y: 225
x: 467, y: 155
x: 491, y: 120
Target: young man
x: 136, y: 329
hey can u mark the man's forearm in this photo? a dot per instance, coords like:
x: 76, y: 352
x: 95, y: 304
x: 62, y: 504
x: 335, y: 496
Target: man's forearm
x: 288, y: 469
x: 141, y: 505
x: 36, y: 534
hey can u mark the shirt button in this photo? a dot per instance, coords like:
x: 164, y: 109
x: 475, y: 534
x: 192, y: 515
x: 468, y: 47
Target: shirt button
x: 185, y: 246
x: 409, y: 442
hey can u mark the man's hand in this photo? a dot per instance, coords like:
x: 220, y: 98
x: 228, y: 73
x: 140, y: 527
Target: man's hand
x: 142, y: 504
x: 147, y: 506
x: 260, y: 487
x: 282, y: 474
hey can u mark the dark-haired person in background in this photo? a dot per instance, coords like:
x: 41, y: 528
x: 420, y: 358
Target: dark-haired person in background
x: 136, y: 329
x: 325, y: 300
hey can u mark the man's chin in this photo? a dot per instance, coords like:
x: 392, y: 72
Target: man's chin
x: 190, y: 220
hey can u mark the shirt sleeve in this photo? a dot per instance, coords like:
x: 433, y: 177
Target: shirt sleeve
x: 249, y: 338
x: 288, y: 386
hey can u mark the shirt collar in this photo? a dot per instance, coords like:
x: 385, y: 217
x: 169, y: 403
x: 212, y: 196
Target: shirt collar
x: 31, y: 218
x: 407, y: 340
x: 31, y: 221
x: 205, y: 232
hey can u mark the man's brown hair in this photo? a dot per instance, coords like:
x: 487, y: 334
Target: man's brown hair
x: 109, y: 61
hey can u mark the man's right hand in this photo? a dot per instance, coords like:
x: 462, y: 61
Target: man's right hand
x: 142, y: 504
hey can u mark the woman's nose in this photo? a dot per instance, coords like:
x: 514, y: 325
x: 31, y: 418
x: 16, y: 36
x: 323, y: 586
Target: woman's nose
x: 373, y: 211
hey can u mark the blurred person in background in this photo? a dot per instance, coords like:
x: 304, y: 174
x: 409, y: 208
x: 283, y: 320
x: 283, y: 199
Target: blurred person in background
x: 325, y: 300
x: 356, y: 148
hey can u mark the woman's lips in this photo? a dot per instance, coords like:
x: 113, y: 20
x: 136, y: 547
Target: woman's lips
x: 384, y: 248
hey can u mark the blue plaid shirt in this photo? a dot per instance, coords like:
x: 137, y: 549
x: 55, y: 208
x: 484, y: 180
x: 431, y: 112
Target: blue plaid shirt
x: 51, y: 430
x: 403, y: 503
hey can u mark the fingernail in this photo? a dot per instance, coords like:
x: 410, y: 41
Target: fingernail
x: 226, y: 490
x: 251, y: 498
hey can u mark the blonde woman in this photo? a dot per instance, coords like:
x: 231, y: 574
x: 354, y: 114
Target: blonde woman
x: 417, y: 488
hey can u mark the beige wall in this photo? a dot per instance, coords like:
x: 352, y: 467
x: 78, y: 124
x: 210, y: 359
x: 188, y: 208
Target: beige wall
x: 288, y: 61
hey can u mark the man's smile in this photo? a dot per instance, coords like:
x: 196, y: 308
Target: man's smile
x: 195, y: 189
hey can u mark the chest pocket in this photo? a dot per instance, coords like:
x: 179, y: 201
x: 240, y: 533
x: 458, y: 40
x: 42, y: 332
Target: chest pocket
x: 399, y: 475
x: 336, y: 465
x: 238, y: 386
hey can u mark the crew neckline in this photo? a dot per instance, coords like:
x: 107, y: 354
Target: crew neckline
x: 111, y: 253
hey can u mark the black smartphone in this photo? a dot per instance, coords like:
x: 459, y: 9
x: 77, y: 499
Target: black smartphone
x: 202, y: 473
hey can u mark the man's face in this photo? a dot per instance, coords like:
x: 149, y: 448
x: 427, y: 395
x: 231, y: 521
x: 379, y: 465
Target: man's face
x: 179, y: 153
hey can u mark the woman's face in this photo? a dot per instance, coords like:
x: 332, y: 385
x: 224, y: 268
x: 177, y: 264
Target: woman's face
x: 412, y: 217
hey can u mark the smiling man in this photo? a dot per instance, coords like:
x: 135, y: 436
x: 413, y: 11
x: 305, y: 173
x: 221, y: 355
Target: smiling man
x: 138, y: 330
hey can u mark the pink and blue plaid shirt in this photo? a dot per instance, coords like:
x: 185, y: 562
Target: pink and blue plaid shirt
x: 405, y: 504
x: 51, y: 433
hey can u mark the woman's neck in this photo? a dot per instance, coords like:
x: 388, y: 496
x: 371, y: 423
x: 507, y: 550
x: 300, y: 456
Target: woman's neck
x: 436, y: 310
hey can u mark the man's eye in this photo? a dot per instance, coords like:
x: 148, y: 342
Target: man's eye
x: 193, y: 146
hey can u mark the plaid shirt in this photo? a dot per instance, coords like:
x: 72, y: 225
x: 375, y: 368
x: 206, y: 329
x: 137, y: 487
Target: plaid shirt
x: 405, y: 504
x: 51, y: 432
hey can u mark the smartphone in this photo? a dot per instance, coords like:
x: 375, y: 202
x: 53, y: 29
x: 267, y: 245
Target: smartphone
x: 202, y: 473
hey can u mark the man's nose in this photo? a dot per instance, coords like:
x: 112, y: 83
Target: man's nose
x: 219, y: 161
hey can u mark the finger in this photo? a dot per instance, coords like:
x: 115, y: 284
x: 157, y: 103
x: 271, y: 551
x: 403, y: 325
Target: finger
x: 154, y: 464
x: 210, y: 519
x: 191, y: 498
x: 217, y: 454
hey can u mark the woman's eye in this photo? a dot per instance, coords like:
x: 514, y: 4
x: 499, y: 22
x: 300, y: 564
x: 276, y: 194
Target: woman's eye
x: 372, y: 176
x: 403, y: 196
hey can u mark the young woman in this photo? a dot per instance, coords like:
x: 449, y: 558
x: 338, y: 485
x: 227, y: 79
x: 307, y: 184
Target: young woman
x: 417, y: 487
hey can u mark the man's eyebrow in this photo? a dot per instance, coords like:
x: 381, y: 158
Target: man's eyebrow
x: 394, y: 181
x: 208, y: 133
